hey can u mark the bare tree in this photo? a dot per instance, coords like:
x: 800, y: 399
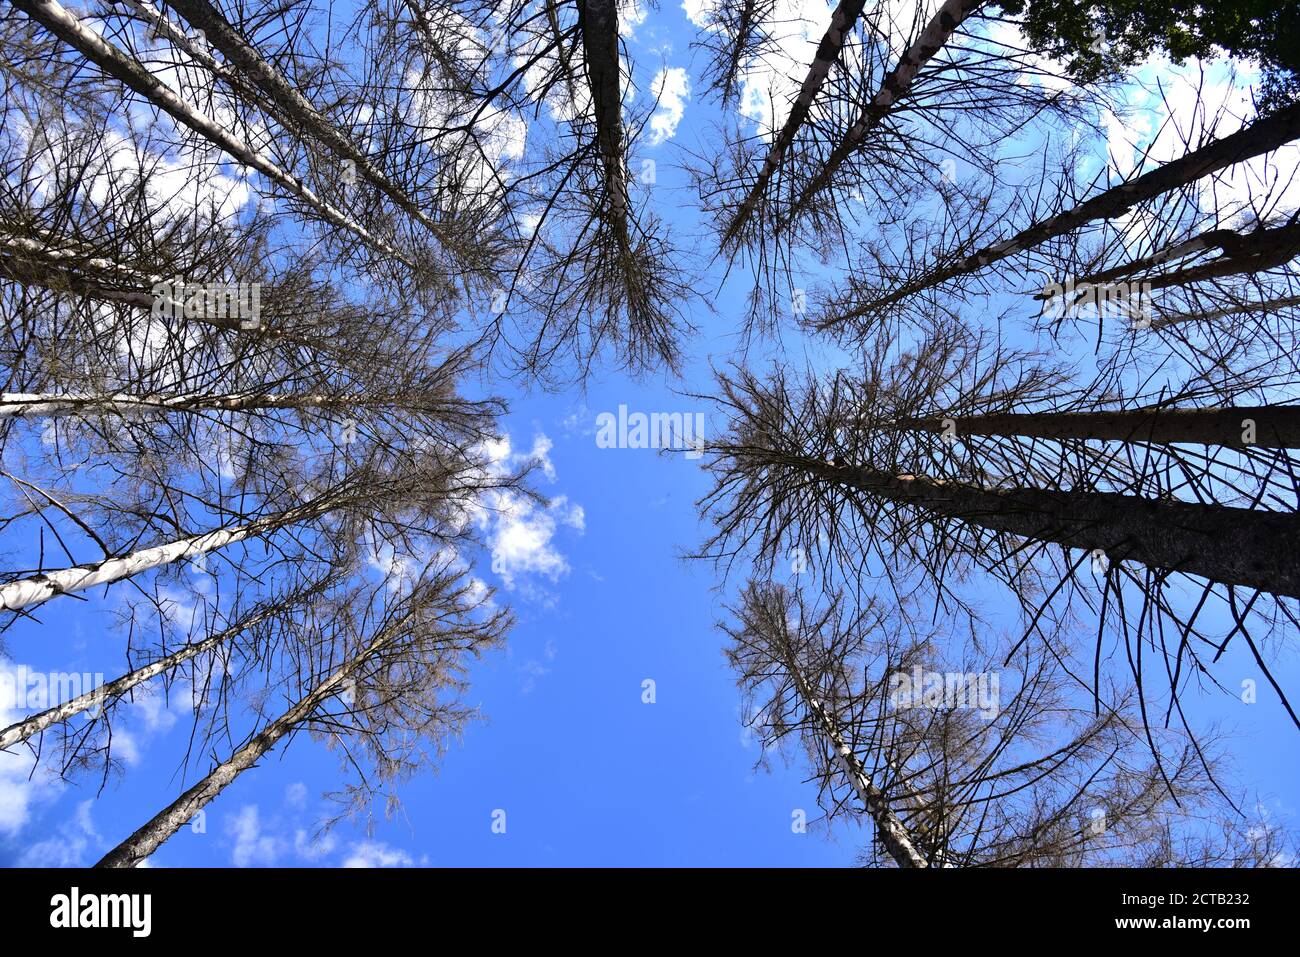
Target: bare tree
x: 1013, y: 773
x: 879, y: 479
x: 862, y: 305
x: 380, y: 674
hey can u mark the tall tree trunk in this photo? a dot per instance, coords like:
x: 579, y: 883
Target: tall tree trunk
x: 171, y: 819
x: 112, y: 690
x: 163, y: 26
x: 598, y: 24
x: 15, y: 405
x: 892, y: 833
x: 1264, y: 135
x: 70, y: 29
x: 67, y: 270
x: 1225, y: 544
x: 46, y: 251
x: 290, y: 103
x: 893, y: 87
x: 1241, y: 253
x: 38, y: 589
x: 1274, y: 426
x: 828, y: 53
x: 1163, y: 319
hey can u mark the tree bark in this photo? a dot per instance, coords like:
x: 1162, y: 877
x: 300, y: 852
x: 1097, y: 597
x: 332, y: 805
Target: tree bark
x: 22, y: 730
x: 149, y: 837
x: 1241, y: 253
x: 1234, y: 546
x: 893, y: 88
x: 38, y: 589
x: 1276, y: 427
x: 892, y: 833
x: 1208, y: 315
x: 14, y: 405
x: 598, y: 24
x: 67, y: 270
x: 293, y: 105
x: 828, y: 52
x: 1265, y: 134
x: 70, y: 29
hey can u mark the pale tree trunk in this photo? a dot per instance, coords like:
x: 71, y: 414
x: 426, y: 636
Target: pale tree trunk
x: 38, y: 589
x: 67, y: 270
x: 176, y: 815
x: 1233, y: 546
x: 163, y: 26
x: 1163, y: 319
x: 118, y: 687
x: 828, y: 53
x: 923, y: 808
x: 892, y: 833
x: 893, y: 88
x: 1241, y: 253
x: 14, y: 405
x: 289, y: 102
x: 69, y: 28
x: 1264, y: 135
x: 45, y: 251
x: 1273, y: 426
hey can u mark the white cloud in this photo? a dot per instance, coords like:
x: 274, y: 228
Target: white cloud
x: 1189, y: 100
x: 313, y: 848
x: 698, y: 11
x: 521, y: 534
x: 176, y: 185
x: 1169, y: 107
x: 519, y: 531
x: 630, y: 16
x: 69, y: 846
x: 377, y: 854
x: 252, y: 847
x: 156, y: 710
x: 672, y: 88
x: 531, y: 670
x: 20, y: 789
x: 1044, y: 71
x: 770, y: 83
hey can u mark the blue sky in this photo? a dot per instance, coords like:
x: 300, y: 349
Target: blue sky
x: 585, y: 771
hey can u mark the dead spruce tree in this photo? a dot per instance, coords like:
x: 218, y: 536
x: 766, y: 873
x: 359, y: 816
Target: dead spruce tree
x: 1201, y: 278
x: 237, y: 634
x: 323, y: 507
x: 118, y: 304
x: 233, y: 98
x: 1156, y: 520
x: 880, y: 287
x: 286, y: 100
x: 154, y: 429
x: 958, y: 758
x: 376, y: 675
x: 540, y: 83
x: 892, y: 99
